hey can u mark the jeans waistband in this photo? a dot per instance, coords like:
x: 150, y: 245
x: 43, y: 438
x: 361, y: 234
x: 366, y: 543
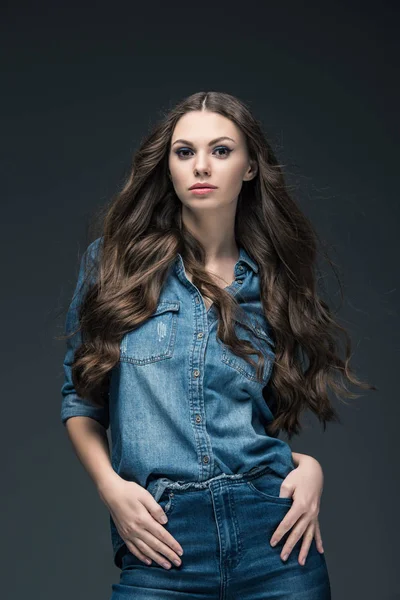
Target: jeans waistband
x: 156, y: 487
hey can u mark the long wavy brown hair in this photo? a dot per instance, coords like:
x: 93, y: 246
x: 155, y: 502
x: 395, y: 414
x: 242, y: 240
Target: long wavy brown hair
x: 139, y: 236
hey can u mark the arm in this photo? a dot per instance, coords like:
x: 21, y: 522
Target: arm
x: 90, y: 443
x: 300, y: 458
x: 86, y: 424
x: 72, y: 404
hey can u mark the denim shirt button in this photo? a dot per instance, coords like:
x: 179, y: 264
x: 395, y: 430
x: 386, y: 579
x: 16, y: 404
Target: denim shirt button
x: 196, y: 372
x: 206, y: 459
x: 198, y: 419
x: 200, y: 335
x: 240, y: 281
x: 240, y: 268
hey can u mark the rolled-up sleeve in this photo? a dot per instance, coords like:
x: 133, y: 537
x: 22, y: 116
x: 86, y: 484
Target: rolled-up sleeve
x: 73, y: 405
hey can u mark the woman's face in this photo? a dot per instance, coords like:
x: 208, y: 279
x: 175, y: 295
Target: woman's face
x: 193, y: 159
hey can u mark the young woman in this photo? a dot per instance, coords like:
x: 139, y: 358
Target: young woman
x: 196, y: 334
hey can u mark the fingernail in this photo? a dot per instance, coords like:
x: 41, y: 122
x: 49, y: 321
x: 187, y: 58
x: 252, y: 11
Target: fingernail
x: 274, y: 542
x: 164, y: 519
x: 180, y: 552
x: 284, y: 557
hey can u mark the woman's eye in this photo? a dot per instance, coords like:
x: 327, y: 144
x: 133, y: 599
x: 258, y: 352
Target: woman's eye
x: 228, y: 150
x: 180, y: 150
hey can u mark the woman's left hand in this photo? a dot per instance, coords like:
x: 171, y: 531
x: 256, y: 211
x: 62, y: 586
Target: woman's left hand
x: 304, y: 484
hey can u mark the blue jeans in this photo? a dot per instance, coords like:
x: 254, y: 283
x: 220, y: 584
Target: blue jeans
x: 224, y: 525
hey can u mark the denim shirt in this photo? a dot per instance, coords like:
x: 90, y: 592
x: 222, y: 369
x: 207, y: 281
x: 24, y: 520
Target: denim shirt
x: 181, y: 404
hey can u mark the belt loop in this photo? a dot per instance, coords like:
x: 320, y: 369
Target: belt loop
x: 157, y: 487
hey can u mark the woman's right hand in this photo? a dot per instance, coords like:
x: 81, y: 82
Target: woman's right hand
x: 138, y: 518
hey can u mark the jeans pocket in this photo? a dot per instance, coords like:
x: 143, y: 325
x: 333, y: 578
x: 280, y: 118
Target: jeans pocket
x: 268, y: 487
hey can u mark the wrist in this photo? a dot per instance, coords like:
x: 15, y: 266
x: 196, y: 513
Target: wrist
x: 107, y: 483
x: 300, y: 459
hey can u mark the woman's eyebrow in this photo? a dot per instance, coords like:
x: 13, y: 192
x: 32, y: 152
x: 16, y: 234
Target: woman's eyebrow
x: 219, y: 139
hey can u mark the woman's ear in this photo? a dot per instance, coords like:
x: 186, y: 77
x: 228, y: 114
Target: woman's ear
x: 251, y: 171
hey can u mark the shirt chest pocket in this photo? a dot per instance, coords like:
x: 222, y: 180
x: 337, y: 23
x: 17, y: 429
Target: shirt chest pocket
x: 154, y: 339
x: 260, y: 339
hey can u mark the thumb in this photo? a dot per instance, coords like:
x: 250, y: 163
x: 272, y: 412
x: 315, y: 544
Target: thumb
x: 155, y: 509
x: 286, y: 490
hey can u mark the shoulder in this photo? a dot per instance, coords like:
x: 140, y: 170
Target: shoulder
x: 95, y: 246
x: 92, y: 251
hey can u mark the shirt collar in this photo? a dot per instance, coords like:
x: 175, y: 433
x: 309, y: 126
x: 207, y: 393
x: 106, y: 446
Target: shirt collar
x: 243, y: 257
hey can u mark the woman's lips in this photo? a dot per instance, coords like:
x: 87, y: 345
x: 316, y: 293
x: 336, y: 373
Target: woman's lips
x: 202, y: 191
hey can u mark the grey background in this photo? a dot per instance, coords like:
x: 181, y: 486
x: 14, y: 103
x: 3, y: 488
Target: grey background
x: 81, y: 85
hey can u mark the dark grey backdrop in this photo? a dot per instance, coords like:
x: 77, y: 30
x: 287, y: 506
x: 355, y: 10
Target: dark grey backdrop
x: 81, y: 85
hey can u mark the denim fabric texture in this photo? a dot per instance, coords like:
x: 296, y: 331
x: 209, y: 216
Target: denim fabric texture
x: 182, y: 406
x: 224, y: 525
